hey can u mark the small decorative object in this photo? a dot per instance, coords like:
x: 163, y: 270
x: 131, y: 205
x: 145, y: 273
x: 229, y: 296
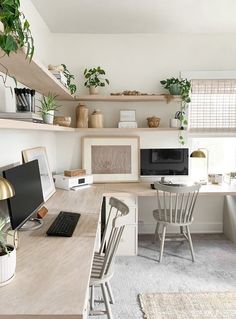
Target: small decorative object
x: 75, y: 172
x: 153, y: 121
x: 127, y: 115
x: 94, y: 79
x: 57, y: 68
x: 215, y: 178
x: 62, y: 120
x: 131, y: 93
x: 7, y: 251
x: 48, y: 107
x: 96, y: 119
x: 40, y: 154
x: 111, y: 159
x: 63, y: 74
x: 127, y: 124
x: 82, y: 113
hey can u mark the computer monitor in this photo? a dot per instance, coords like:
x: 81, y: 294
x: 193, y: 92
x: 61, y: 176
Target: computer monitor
x: 28, y: 197
x: 164, y: 161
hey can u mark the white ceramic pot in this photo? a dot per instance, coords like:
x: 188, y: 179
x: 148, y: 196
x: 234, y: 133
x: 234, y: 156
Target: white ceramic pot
x: 175, y: 123
x: 7, y: 267
x: 48, y: 118
x: 93, y: 90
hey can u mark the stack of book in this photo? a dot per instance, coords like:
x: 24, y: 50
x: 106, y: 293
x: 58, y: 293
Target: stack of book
x: 127, y: 119
x: 60, y: 76
x: 22, y: 116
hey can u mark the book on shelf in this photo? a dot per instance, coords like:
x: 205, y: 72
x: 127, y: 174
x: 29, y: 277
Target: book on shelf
x: 22, y: 116
x: 60, y: 76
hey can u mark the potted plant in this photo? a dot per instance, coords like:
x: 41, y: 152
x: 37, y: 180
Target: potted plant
x: 48, y: 107
x: 15, y: 31
x: 7, y: 258
x: 180, y: 87
x: 94, y: 79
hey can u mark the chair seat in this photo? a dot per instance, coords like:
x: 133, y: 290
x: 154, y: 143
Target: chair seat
x: 160, y: 216
x: 95, y: 277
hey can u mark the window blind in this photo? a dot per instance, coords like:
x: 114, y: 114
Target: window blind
x: 213, y: 105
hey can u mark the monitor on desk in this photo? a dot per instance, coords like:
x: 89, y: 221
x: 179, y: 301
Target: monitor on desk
x: 164, y: 161
x: 28, y: 197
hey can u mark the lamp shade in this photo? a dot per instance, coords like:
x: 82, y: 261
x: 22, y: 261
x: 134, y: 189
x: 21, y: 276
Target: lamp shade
x: 6, y: 189
x: 198, y: 154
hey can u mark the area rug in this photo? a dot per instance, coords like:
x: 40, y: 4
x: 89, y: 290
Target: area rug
x: 212, y: 305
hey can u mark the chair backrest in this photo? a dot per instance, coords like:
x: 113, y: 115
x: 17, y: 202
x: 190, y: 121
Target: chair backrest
x: 176, y: 203
x: 115, y: 224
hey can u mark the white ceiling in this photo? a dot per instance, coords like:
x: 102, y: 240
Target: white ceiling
x: 138, y: 16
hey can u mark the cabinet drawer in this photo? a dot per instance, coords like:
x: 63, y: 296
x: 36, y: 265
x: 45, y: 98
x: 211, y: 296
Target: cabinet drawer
x: 128, y: 200
x: 132, y: 216
x: 128, y: 242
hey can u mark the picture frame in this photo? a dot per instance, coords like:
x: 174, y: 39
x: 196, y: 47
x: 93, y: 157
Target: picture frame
x: 40, y: 154
x: 111, y: 159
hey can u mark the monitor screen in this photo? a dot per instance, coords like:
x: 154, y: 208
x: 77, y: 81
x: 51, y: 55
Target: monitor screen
x: 164, y: 161
x: 28, y: 197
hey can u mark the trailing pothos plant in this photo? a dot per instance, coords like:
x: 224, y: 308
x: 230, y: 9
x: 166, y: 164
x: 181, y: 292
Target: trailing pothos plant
x: 16, y: 32
x: 180, y: 87
x: 72, y: 87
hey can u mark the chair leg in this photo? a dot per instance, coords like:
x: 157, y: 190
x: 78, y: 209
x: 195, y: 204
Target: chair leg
x: 106, y: 300
x: 162, y: 243
x: 92, y: 298
x: 110, y: 293
x: 155, y: 237
x: 190, y: 243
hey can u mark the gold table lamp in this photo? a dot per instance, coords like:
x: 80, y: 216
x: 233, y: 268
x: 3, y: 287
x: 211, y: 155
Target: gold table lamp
x: 6, y: 189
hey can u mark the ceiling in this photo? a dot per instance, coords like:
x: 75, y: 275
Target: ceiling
x: 138, y: 16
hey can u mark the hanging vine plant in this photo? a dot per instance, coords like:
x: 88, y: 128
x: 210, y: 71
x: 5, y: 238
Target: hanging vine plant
x: 180, y: 87
x: 16, y: 29
x: 16, y: 32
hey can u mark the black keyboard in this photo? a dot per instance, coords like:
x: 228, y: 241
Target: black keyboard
x: 64, y: 224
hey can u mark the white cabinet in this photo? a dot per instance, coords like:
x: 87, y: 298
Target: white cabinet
x: 129, y: 239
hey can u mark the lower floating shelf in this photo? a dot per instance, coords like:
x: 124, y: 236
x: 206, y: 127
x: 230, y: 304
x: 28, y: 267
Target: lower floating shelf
x: 21, y: 125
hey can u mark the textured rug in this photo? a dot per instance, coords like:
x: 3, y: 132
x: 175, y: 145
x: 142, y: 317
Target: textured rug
x: 211, y: 305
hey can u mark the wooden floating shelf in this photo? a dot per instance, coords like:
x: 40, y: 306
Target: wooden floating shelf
x: 21, y: 125
x: 116, y: 129
x: 33, y: 75
x: 128, y: 98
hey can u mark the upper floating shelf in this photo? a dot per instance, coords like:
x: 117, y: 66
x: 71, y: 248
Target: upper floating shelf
x: 33, y: 75
x: 128, y: 98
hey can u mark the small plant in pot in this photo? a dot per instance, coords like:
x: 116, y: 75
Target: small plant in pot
x: 48, y: 108
x: 94, y: 79
x: 7, y: 257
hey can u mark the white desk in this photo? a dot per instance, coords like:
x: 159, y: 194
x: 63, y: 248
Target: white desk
x: 52, y: 275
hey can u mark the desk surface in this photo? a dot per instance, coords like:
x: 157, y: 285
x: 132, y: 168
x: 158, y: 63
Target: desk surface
x: 52, y: 273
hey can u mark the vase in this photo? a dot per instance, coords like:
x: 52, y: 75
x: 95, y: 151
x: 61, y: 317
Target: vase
x: 82, y: 116
x: 96, y: 119
x: 48, y: 117
x: 93, y: 90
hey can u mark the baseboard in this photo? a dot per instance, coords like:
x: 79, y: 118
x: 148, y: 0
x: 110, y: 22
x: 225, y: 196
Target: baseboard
x: 195, y: 228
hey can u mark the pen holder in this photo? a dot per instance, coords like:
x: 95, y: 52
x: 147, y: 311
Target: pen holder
x: 25, y: 100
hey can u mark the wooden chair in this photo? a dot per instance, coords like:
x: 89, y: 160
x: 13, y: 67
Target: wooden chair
x: 175, y: 206
x: 102, y: 269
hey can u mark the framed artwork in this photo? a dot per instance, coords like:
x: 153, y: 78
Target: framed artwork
x: 111, y: 159
x: 40, y: 154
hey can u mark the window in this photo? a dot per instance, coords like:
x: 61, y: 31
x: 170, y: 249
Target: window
x: 213, y: 105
